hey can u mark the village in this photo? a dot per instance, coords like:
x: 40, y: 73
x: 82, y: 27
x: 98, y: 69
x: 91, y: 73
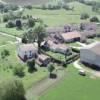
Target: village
x: 59, y: 40
x: 49, y: 49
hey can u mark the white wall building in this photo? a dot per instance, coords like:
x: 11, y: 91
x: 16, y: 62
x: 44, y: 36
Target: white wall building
x: 91, y: 54
x: 27, y: 51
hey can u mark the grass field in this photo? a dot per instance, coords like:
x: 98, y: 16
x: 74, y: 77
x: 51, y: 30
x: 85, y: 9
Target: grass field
x: 7, y: 65
x: 4, y: 39
x: 74, y: 87
x: 55, y: 17
x: 61, y: 17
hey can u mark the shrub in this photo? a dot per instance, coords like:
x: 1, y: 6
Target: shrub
x: 12, y: 89
x: 19, y: 70
x: 10, y: 24
x: 84, y: 16
x: 4, y: 53
x: 29, y: 7
x: 94, y: 19
x: 5, y: 17
x: 24, y: 40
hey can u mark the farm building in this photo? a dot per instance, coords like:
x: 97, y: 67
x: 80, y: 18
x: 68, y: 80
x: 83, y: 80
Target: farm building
x: 43, y: 60
x: 56, y: 47
x: 91, y: 54
x: 88, y: 26
x: 27, y: 51
x: 70, y: 36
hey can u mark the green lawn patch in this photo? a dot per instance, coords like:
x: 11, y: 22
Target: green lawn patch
x: 7, y: 65
x: 74, y: 87
x: 4, y: 39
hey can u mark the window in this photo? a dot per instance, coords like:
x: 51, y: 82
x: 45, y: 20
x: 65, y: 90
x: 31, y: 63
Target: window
x: 30, y: 53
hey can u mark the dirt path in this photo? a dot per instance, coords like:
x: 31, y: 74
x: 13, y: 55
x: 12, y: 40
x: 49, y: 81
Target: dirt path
x: 43, y: 85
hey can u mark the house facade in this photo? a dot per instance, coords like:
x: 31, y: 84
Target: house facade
x: 91, y: 54
x: 27, y: 51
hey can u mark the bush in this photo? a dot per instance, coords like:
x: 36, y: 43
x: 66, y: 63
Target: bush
x: 94, y: 19
x: 84, y: 16
x: 28, y: 7
x: 12, y: 89
x: 10, y: 24
x: 19, y: 70
x: 4, y: 53
x: 75, y: 50
x: 5, y: 17
x: 24, y: 40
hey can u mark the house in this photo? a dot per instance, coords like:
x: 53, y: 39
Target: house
x: 88, y: 26
x: 43, y: 60
x: 56, y: 47
x: 91, y: 54
x: 88, y: 33
x: 27, y: 51
x: 70, y: 36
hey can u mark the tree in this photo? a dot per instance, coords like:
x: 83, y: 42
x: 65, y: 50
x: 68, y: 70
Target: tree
x: 94, y: 19
x: 31, y: 22
x: 31, y: 65
x: 19, y: 70
x: 29, y: 36
x: 51, y: 68
x: 40, y: 34
x: 18, y: 23
x: 12, y: 89
x: 84, y: 16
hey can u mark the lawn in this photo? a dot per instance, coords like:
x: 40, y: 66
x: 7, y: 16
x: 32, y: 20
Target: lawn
x: 74, y: 87
x: 61, y: 17
x: 4, y: 39
x: 58, y: 56
x: 73, y: 44
x: 7, y: 65
x: 12, y: 31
